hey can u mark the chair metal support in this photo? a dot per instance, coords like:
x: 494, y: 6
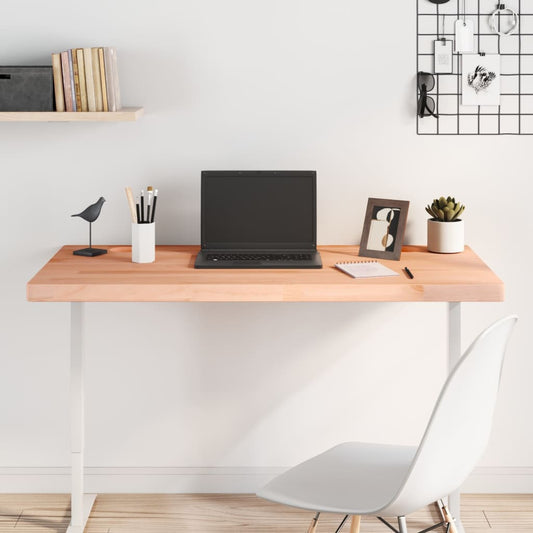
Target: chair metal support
x: 342, y: 523
x: 440, y: 524
x: 403, y: 525
x: 387, y: 524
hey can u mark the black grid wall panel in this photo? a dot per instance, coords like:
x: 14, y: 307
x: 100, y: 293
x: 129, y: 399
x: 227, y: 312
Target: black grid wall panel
x: 514, y: 115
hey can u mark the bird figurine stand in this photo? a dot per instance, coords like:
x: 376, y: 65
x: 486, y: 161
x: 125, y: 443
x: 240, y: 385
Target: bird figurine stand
x: 90, y: 214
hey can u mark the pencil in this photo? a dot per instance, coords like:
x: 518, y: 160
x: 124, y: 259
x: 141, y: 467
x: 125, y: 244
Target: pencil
x: 131, y: 203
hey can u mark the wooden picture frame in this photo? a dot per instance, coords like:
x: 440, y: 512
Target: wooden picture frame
x: 384, y: 228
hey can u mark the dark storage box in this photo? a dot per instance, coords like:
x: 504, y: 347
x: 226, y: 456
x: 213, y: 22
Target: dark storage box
x: 26, y: 89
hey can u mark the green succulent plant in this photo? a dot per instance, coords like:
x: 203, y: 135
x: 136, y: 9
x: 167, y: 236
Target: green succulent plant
x: 445, y: 209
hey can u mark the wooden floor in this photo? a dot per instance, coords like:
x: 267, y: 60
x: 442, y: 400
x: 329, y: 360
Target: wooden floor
x: 203, y: 513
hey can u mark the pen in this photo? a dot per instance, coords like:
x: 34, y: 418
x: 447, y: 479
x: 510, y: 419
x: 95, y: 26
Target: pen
x: 138, y: 208
x: 148, y: 203
x: 153, y: 207
x: 409, y: 273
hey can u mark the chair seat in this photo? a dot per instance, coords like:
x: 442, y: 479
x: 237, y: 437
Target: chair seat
x: 351, y: 478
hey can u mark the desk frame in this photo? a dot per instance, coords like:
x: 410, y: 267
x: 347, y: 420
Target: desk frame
x: 454, y: 354
x: 81, y: 503
x: 78, y: 284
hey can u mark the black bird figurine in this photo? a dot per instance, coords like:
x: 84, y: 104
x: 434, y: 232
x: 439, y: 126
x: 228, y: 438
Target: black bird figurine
x: 90, y: 214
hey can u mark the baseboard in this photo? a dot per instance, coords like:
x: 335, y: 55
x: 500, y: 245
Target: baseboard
x: 500, y: 480
x: 221, y: 480
x: 139, y: 479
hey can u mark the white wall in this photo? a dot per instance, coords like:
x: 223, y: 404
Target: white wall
x: 247, y: 84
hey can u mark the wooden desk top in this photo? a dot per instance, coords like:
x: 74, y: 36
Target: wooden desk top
x: 114, y: 278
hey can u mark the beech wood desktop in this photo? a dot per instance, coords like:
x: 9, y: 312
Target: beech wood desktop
x: 451, y: 278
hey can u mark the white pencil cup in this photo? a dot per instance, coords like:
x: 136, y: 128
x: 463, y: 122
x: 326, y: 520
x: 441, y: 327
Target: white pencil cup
x: 143, y: 243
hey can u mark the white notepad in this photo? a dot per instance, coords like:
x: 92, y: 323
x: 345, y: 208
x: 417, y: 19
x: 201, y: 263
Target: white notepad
x: 366, y: 269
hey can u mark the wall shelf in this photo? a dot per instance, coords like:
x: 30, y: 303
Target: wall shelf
x: 126, y: 114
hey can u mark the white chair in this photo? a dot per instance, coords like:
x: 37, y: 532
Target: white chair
x: 383, y: 480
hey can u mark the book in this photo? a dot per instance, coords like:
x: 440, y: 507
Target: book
x: 116, y: 84
x: 82, y: 82
x: 76, y: 75
x: 89, y: 79
x: 109, y: 79
x: 72, y: 84
x: 97, y: 80
x: 102, y: 79
x: 366, y: 269
x: 58, y: 82
x: 67, y: 89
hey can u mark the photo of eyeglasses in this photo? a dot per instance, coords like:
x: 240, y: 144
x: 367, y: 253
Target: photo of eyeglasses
x: 426, y: 104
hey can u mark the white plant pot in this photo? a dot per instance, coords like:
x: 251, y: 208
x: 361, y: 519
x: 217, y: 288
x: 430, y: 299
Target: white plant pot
x: 446, y: 237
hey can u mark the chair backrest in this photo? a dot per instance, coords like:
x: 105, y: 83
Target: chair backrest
x: 459, y: 428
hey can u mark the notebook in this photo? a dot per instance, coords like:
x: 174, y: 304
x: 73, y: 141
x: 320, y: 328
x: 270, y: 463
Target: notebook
x: 366, y: 269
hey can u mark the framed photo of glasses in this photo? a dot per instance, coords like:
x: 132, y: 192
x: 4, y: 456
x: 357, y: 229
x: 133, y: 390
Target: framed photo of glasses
x: 384, y: 228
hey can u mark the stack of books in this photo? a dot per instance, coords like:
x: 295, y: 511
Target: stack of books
x: 86, y: 79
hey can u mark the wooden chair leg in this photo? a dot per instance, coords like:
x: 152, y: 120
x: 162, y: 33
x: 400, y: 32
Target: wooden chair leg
x: 449, y: 518
x: 356, y: 524
x: 314, y: 524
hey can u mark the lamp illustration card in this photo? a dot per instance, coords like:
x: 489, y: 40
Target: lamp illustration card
x: 481, y: 79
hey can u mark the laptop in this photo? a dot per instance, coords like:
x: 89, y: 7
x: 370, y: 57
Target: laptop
x: 258, y: 219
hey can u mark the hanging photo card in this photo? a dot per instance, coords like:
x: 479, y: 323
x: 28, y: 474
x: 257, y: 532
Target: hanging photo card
x: 464, y: 36
x: 481, y: 79
x: 443, y: 56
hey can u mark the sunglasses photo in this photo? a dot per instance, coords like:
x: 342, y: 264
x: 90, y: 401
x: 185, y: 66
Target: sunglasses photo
x: 426, y: 104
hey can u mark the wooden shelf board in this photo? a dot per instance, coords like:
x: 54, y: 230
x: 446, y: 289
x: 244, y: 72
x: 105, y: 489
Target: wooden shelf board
x: 124, y: 115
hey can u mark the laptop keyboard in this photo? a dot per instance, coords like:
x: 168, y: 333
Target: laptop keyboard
x: 259, y: 257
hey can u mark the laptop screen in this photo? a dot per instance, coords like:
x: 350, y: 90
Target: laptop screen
x: 259, y: 210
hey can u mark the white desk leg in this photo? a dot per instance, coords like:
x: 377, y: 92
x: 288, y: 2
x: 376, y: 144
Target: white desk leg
x: 81, y: 504
x: 454, y: 354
